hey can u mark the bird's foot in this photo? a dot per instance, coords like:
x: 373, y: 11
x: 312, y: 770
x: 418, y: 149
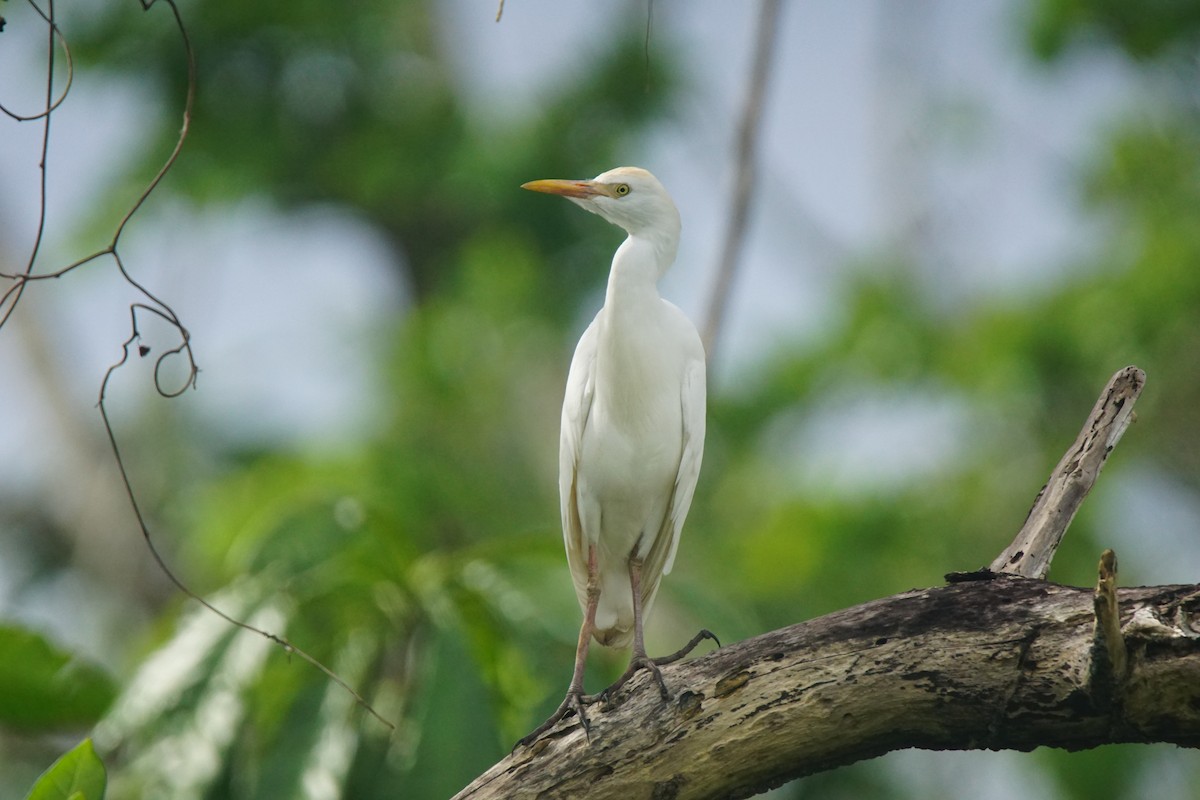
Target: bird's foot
x: 635, y: 664
x: 689, y: 647
x: 642, y: 661
x: 574, y: 702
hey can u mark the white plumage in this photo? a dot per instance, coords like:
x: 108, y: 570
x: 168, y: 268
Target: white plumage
x: 632, y: 422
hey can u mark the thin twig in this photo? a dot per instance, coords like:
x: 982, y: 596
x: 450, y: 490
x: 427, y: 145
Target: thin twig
x: 151, y: 305
x: 165, y: 312
x: 12, y: 297
x: 646, y: 43
x: 287, y: 646
x: 51, y: 107
x: 768, y: 26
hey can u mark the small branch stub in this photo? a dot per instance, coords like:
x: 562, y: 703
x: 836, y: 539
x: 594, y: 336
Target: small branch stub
x: 1109, y: 660
x: 1031, y: 551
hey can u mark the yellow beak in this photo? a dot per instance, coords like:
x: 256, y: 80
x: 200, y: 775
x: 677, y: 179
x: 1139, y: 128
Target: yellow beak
x: 568, y: 188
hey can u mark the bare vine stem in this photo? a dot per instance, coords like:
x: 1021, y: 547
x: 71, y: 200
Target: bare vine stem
x: 55, y: 33
x: 287, y: 646
x: 151, y: 305
x: 10, y: 298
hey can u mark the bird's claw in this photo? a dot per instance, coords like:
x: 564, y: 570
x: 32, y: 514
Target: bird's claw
x: 574, y: 702
x: 635, y: 664
x: 639, y: 662
x: 689, y: 647
x: 662, y: 685
x: 603, y: 698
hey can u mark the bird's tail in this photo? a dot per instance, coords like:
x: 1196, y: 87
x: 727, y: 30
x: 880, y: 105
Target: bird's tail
x: 614, y: 619
x: 615, y: 637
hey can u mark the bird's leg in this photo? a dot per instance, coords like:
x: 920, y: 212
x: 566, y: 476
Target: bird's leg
x: 639, y: 659
x: 575, y: 699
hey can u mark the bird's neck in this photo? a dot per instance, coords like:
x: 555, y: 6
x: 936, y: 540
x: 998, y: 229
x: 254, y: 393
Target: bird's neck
x: 637, y: 265
x: 629, y: 350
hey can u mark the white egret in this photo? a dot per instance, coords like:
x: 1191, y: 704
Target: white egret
x: 632, y: 430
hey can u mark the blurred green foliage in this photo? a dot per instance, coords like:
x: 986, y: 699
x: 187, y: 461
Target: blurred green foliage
x: 305, y: 105
x: 1144, y: 30
x: 426, y: 567
x: 45, y: 688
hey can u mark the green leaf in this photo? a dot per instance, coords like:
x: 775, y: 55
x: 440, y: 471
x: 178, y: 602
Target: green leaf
x: 78, y: 775
x: 45, y: 687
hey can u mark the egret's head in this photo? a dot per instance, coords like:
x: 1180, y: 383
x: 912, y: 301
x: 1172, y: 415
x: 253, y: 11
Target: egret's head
x: 629, y: 197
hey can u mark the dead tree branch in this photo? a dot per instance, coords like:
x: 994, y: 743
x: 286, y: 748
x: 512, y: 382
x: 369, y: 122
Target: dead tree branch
x: 1030, y: 553
x: 1002, y: 663
x: 991, y: 661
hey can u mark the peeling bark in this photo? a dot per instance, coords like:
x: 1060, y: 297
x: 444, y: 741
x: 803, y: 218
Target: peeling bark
x: 997, y: 663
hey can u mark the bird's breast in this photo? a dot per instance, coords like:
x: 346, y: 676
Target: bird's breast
x: 627, y: 470
x: 637, y: 385
x: 635, y: 430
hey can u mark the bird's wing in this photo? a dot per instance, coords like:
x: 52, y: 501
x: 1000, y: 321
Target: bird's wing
x: 662, y: 554
x: 577, y: 405
x: 692, y: 399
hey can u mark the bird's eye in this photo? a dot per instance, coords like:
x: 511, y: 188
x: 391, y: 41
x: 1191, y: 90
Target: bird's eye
x: 622, y: 189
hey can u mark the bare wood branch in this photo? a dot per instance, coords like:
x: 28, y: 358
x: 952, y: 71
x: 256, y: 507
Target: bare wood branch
x: 1031, y: 551
x: 735, y: 233
x: 1001, y: 663
x: 991, y: 661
